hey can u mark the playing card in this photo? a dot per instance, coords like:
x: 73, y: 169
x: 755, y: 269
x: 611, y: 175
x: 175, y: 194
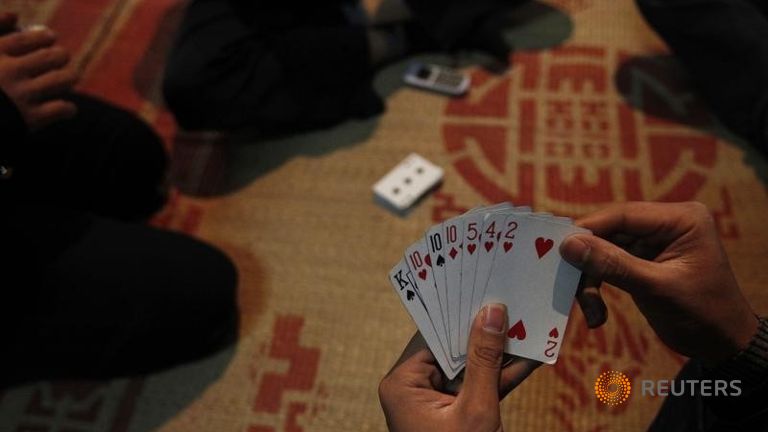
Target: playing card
x: 535, y: 283
x: 435, y: 240
x: 453, y: 231
x: 498, y: 253
x: 494, y: 230
x: 486, y: 251
x: 470, y: 241
x: 473, y: 222
x: 403, y: 283
x: 420, y: 263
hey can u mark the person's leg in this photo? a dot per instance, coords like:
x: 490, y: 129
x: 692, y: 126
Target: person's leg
x: 105, y: 160
x: 237, y: 67
x: 87, y: 297
x: 724, y: 45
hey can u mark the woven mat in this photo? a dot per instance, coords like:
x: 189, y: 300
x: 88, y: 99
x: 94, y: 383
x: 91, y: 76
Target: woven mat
x: 594, y: 111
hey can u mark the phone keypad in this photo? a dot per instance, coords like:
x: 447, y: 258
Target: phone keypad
x: 450, y: 80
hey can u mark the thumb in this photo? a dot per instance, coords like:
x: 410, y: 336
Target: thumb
x: 484, y: 355
x: 605, y: 261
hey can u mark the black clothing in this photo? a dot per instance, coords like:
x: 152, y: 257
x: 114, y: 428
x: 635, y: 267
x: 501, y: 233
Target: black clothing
x: 724, y: 45
x: 289, y: 66
x: 240, y: 64
x: 747, y: 411
x: 86, y: 292
x: 12, y: 128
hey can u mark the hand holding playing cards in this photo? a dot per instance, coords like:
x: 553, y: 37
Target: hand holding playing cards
x: 412, y: 393
x: 668, y: 257
x: 502, y: 254
x: 34, y: 73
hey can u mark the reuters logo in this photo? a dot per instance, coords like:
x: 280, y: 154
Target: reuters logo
x: 612, y: 388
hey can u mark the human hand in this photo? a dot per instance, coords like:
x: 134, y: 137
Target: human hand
x: 669, y: 258
x: 414, y: 396
x: 35, y: 74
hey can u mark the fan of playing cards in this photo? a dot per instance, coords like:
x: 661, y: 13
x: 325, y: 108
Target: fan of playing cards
x: 497, y: 254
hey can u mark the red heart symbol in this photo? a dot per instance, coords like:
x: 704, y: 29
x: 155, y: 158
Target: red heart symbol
x: 543, y: 246
x: 554, y: 333
x: 488, y: 246
x: 471, y: 248
x: 517, y: 331
x: 423, y: 274
x: 453, y: 253
x: 507, y: 246
x: 428, y: 260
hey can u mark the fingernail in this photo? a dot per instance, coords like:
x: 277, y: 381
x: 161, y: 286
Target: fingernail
x: 494, y: 317
x: 40, y: 28
x: 575, y: 251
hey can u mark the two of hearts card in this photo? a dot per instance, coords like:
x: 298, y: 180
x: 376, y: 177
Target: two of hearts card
x: 495, y: 254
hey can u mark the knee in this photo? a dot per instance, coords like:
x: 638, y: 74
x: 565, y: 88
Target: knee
x: 212, y: 287
x: 195, y: 314
x: 144, y: 191
x: 223, y: 86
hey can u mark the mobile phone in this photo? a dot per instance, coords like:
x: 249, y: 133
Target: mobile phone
x: 437, y: 78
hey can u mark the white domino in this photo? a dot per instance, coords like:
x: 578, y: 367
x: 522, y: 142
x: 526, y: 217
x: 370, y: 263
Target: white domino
x: 407, y: 182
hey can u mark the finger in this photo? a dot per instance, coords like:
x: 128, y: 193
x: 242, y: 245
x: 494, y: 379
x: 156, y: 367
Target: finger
x: 420, y: 359
x: 416, y: 344
x: 53, y: 84
x: 484, y: 355
x: 422, y: 356
x: 591, y: 302
x: 26, y: 42
x: 418, y: 350
x: 43, y: 61
x: 417, y: 347
x: 607, y: 262
x: 515, y: 373
x: 635, y: 218
x: 419, y: 371
x: 622, y: 240
x: 51, y: 112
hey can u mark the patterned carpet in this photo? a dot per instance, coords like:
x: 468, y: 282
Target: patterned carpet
x: 594, y: 111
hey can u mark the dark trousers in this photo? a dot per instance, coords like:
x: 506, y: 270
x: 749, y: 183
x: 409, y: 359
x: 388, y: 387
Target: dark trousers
x: 89, y: 291
x: 238, y: 64
x: 724, y: 46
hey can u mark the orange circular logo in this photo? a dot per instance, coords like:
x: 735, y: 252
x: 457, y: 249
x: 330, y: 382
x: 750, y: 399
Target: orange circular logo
x: 612, y: 388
